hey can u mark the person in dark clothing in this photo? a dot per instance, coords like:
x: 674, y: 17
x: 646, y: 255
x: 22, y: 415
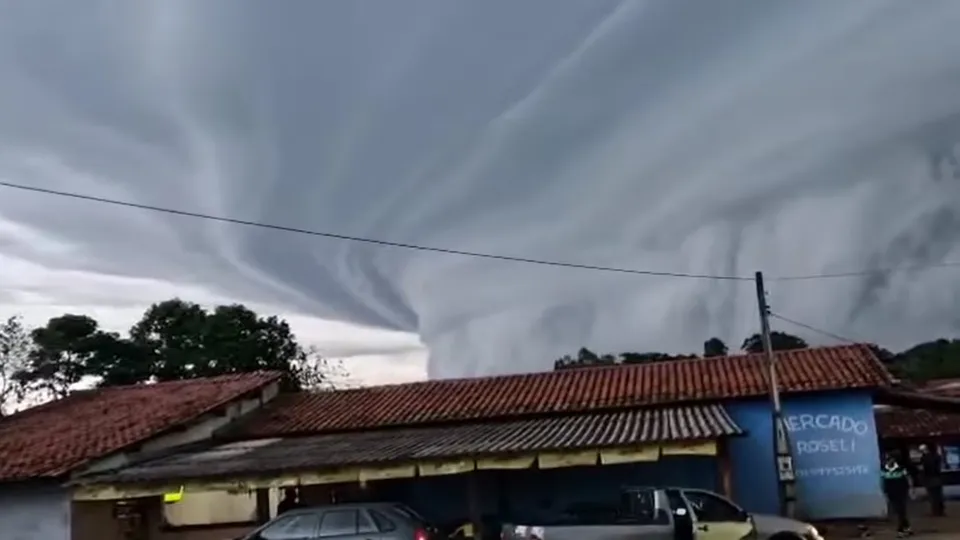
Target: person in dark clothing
x: 289, y: 501
x: 683, y: 525
x: 930, y: 466
x: 896, y: 486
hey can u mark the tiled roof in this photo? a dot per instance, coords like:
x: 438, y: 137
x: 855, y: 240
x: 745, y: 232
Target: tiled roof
x: 943, y: 387
x: 571, y: 391
x: 906, y: 423
x: 599, y: 430
x: 53, y: 439
x: 916, y: 424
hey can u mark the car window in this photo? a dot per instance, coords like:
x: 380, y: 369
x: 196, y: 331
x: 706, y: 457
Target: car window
x: 712, y: 508
x: 639, y: 502
x: 640, y: 507
x: 365, y: 524
x: 676, y: 500
x: 383, y: 522
x: 295, y: 527
x: 338, y: 523
x: 409, y: 513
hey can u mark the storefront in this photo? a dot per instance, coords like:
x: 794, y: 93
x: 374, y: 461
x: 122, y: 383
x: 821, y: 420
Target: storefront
x: 520, y: 469
x: 836, y: 455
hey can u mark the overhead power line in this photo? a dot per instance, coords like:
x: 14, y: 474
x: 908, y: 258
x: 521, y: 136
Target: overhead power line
x: 464, y: 253
x: 872, y: 272
x: 374, y: 241
x: 814, y: 329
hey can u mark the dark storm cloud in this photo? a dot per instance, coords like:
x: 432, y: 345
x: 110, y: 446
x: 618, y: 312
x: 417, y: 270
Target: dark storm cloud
x: 706, y: 137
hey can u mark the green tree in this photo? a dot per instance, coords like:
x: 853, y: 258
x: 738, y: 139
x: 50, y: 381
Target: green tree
x: 714, y: 347
x: 781, y: 341
x: 178, y: 340
x: 115, y: 360
x: 315, y: 372
x: 59, y: 356
x: 938, y: 359
x: 15, y: 348
x: 174, y: 340
x: 643, y: 358
x: 585, y: 358
x: 171, y: 338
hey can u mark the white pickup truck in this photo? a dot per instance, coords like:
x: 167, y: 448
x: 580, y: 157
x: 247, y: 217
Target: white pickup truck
x: 665, y: 514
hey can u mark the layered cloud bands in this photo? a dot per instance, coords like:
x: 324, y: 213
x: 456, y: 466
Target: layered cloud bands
x: 675, y: 135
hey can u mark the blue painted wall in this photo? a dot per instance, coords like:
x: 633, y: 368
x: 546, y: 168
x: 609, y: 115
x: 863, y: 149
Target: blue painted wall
x: 837, y: 457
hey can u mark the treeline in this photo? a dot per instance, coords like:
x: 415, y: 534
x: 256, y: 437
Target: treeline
x: 937, y: 359
x: 712, y: 347
x: 174, y: 340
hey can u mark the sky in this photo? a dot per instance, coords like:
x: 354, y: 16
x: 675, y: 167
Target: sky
x: 718, y: 138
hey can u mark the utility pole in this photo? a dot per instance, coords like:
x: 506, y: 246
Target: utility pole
x: 786, y: 477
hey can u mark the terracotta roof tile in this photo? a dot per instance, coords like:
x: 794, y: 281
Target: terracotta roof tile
x: 918, y: 423
x: 53, y: 439
x: 573, y: 390
x: 943, y: 387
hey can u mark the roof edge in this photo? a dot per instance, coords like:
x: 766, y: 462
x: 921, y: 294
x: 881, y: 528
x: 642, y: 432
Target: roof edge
x: 272, y: 377
x: 236, y: 434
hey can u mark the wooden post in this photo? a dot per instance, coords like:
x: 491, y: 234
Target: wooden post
x: 263, y: 505
x: 726, y: 468
x: 473, y: 503
x: 783, y: 456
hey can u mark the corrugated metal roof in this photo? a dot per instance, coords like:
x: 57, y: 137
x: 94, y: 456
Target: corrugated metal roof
x: 597, y: 430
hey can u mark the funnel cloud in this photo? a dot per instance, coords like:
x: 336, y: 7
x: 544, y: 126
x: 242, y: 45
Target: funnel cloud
x: 672, y: 135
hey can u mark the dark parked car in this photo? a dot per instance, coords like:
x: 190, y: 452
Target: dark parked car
x: 360, y: 521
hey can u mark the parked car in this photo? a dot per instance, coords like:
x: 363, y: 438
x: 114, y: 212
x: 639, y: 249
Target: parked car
x: 665, y: 514
x: 360, y: 521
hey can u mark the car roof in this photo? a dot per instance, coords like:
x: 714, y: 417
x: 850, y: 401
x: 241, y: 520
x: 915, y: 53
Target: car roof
x: 344, y: 506
x: 662, y: 488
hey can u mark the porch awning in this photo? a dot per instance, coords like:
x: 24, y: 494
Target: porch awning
x: 586, y: 439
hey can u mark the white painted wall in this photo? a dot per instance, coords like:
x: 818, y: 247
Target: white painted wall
x: 34, y: 512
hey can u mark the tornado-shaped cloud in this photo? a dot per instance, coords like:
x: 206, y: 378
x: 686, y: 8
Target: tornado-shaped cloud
x: 675, y: 135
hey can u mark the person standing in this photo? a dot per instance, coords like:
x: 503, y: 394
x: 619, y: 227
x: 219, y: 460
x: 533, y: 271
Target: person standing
x: 930, y: 466
x: 896, y: 486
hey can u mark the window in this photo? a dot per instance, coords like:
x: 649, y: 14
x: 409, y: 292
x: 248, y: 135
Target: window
x: 383, y: 522
x: 410, y: 514
x: 365, y: 524
x: 640, y: 506
x: 295, y: 527
x: 339, y: 523
x: 211, y: 508
x: 676, y: 500
x: 711, y: 508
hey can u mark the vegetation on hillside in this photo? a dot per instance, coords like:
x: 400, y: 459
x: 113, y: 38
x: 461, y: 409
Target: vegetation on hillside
x: 174, y: 340
x: 928, y: 360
